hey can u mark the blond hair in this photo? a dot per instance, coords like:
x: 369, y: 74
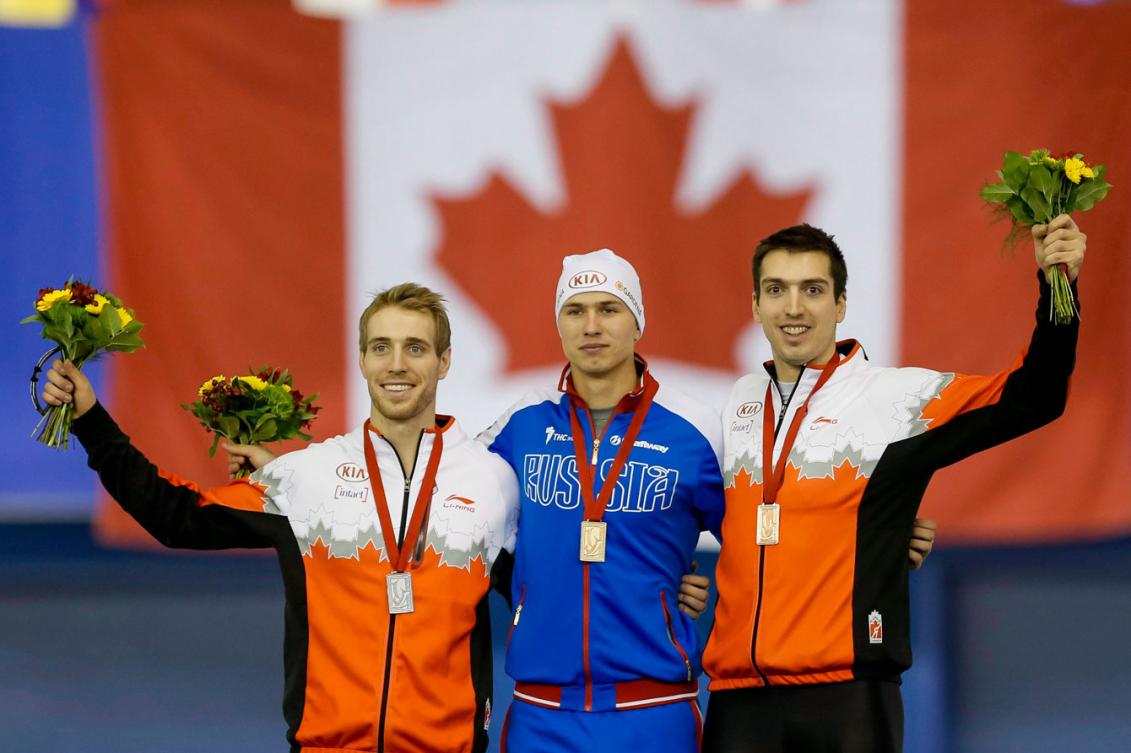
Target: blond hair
x: 409, y: 295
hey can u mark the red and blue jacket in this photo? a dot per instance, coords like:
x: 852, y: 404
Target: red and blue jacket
x: 604, y: 635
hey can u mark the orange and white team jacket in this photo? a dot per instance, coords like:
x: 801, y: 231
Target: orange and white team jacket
x: 829, y: 601
x: 357, y: 677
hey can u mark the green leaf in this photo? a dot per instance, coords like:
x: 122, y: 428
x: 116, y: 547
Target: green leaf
x: 123, y: 341
x: 33, y: 318
x: 111, y: 321
x: 66, y: 323
x: 1020, y: 210
x: 1041, y: 179
x: 266, y: 431
x: 52, y: 332
x: 99, y: 330
x: 1015, y: 170
x: 229, y: 425
x: 1091, y: 193
x: 996, y: 192
x: 215, y: 441
x: 1038, y: 204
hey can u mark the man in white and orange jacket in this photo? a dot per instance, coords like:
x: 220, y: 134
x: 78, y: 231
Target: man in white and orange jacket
x: 826, y: 458
x: 388, y: 539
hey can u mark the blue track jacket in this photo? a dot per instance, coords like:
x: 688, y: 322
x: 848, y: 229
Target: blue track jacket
x: 587, y: 626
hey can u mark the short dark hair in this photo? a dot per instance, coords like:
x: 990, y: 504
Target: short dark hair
x: 800, y: 239
x: 409, y: 295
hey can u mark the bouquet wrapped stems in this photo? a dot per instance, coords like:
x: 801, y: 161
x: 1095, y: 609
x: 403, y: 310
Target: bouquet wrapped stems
x: 1063, y: 302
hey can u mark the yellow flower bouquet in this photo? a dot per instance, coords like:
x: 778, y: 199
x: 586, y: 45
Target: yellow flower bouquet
x: 83, y: 323
x: 261, y: 407
x: 1034, y: 189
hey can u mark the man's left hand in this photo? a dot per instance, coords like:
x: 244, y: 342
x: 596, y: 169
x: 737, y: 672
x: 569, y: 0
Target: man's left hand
x: 693, y: 592
x: 922, y: 540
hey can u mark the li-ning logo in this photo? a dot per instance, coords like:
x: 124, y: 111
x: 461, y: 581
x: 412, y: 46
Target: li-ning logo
x: 556, y: 436
x: 748, y: 410
x: 587, y: 279
x: 456, y: 502
x: 351, y: 472
x: 821, y: 421
x: 875, y: 627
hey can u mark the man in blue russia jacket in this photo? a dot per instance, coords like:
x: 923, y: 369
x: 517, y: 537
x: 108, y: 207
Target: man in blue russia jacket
x: 617, y: 477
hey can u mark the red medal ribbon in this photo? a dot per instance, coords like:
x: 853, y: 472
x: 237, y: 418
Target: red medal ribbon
x: 774, y: 476
x: 423, y: 500
x: 595, y: 507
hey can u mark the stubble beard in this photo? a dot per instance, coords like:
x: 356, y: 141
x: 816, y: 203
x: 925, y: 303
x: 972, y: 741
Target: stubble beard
x: 401, y: 410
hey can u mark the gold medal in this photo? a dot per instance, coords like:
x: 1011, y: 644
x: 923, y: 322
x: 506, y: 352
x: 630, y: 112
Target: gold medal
x: 399, y: 588
x: 769, y: 524
x: 592, y: 541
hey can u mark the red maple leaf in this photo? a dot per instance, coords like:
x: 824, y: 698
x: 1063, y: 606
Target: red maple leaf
x: 621, y: 155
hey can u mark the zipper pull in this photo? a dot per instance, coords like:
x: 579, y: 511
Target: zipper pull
x: 517, y: 614
x: 407, y: 485
x: 596, y: 446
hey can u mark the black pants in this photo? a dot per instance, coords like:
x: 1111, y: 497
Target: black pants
x: 862, y: 716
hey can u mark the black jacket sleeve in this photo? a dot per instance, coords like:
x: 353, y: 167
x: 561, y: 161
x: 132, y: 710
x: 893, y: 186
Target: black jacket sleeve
x: 174, y: 515
x: 1034, y: 394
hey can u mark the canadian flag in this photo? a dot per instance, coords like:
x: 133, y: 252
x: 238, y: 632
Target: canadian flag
x: 267, y: 171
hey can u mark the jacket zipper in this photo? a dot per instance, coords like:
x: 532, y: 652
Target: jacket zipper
x: 517, y: 614
x: 671, y: 634
x: 393, y: 617
x: 585, y: 569
x: 786, y: 400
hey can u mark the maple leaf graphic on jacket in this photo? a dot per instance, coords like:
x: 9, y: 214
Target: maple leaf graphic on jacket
x: 621, y: 154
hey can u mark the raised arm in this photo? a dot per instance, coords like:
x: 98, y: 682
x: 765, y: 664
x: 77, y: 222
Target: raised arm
x: 175, y: 512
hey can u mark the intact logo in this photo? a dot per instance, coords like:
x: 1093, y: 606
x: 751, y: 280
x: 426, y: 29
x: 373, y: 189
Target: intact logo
x: 345, y: 492
x: 351, y: 472
x: 456, y: 502
x: 875, y: 627
x: 749, y: 410
x: 587, y: 279
x: 556, y: 436
x: 821, y: 422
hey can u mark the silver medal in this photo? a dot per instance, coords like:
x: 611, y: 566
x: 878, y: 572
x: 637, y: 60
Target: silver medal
x: 769, y: 524
x: 399, y: 587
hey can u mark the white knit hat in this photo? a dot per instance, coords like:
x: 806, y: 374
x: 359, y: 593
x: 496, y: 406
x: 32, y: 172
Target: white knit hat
x: 600, y: 272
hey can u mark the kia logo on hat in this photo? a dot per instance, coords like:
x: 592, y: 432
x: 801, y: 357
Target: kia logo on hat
x: 587, y: 279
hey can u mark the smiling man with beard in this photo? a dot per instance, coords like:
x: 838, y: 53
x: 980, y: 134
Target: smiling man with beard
x: 384, y: 584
